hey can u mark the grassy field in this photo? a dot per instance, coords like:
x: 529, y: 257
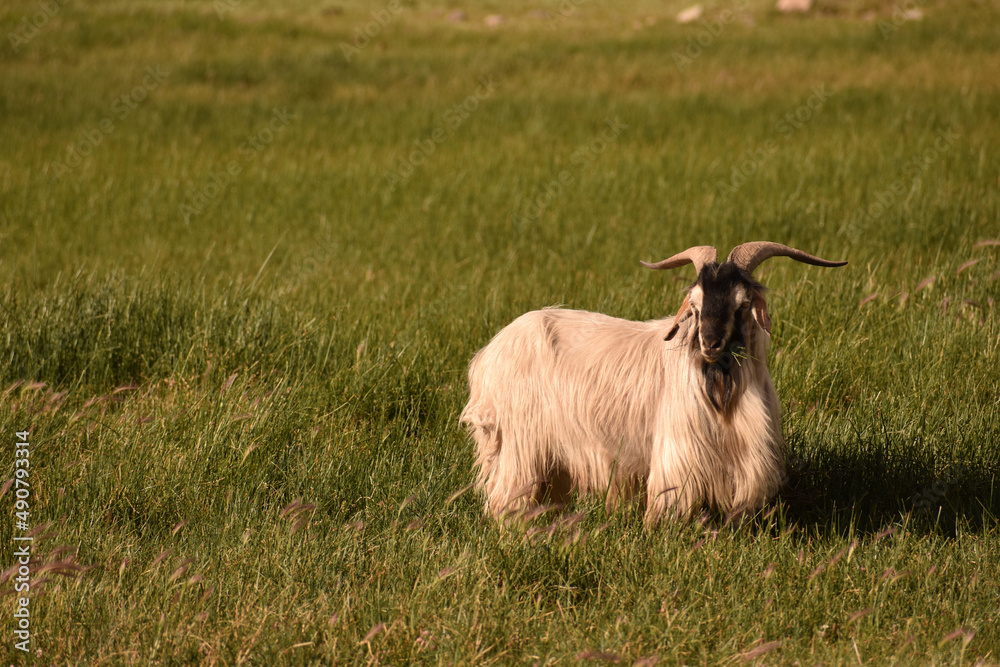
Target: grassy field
x: 250, y: 247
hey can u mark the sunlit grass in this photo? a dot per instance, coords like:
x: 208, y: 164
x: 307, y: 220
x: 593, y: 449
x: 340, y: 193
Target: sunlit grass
x: 243, y: 413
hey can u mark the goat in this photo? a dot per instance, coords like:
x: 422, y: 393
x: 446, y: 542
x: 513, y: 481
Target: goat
x: 564, y: 400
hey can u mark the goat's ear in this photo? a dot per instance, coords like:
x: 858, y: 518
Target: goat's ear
x: 682, y: 314
x: 758, y: 306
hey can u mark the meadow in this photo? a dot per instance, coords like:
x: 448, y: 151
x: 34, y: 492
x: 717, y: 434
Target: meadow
x: 250, y: 247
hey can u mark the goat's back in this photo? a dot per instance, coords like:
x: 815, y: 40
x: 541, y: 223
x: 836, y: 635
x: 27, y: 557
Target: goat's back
x: 571, y: 389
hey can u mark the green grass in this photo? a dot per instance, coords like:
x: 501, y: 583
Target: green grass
x: 246, y: 448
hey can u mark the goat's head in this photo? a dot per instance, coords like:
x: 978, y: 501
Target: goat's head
x: 726, y: 303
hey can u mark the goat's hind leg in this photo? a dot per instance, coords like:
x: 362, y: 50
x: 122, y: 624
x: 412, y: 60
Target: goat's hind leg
x: 511, y: 484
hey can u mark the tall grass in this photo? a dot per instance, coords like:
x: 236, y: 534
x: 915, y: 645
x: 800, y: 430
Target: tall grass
x: 243, y: 390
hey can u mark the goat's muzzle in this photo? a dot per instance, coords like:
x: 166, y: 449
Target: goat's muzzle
x: 715, y: 348
x: 713, y: 355
x: 721, y: 356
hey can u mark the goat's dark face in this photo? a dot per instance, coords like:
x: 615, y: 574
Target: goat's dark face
x: 727, y: 306
x: 728, y: 309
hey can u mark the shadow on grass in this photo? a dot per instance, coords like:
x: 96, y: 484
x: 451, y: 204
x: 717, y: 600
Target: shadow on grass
x: 874, y: 486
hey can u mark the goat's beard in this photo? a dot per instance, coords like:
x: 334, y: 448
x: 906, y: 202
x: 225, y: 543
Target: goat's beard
x: 721, y: 377
x: 720, y: 386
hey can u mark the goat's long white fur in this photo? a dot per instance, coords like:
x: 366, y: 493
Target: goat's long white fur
x: 607, y: 402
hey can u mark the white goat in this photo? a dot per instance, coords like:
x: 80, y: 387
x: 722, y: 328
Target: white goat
x: 566, y: 400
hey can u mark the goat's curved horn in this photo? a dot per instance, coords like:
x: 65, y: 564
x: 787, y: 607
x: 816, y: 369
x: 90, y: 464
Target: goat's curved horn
x: 748, y: 256
x: 698, y: 255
